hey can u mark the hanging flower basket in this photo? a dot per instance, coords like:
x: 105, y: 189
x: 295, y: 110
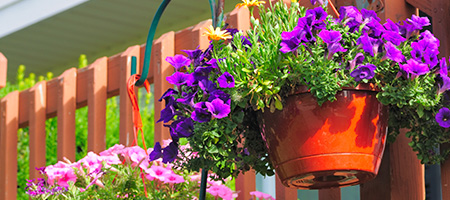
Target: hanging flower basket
x: 337, y: 144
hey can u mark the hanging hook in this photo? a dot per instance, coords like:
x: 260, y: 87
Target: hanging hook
x: 149, y: 44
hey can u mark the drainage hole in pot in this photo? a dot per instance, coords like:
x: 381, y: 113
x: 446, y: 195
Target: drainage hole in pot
x: 330, y: 178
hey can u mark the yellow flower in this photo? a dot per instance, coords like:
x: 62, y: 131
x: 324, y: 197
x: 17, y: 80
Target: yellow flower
x: 249, y: 3
x: 216, y: 34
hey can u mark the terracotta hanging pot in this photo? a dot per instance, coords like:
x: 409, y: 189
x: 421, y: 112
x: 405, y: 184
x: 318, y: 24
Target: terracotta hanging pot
x: 340, y: 143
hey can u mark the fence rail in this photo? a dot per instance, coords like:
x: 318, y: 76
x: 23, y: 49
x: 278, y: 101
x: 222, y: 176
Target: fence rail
x: 401, y: 175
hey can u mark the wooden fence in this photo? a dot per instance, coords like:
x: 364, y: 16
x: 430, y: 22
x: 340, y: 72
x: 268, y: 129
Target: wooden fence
x: 401, y: 175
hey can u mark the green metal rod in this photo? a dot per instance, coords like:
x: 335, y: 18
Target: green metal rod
x: 212, y: 6
x: 203, y: 184
x: 149, y: 44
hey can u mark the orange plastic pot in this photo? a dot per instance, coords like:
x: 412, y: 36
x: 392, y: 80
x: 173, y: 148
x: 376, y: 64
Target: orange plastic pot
x: 340, y: 143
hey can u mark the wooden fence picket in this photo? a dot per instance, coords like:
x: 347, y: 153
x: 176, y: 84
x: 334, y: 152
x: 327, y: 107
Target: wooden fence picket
x: 126, y: 110
x: 96, y: 100
x: 37, y: 118
x: 66, y: 107
x: 9, y: 124
x: 3, y: 70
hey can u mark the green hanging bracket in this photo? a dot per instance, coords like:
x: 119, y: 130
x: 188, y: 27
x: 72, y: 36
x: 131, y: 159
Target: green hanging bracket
x: 149, y: 44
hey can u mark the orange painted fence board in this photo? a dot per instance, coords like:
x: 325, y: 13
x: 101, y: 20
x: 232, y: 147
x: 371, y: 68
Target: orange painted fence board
x: 3, y: 70
x: 66, y: 106
x: 9, y: 114
x: 96, y: 100
x: 36, y: 112
x: 126, y: 110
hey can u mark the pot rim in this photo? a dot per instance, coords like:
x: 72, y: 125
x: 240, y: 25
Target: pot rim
x: 369, y: 87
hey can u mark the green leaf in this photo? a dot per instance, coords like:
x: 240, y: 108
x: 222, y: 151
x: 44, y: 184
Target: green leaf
x: 278, y: 104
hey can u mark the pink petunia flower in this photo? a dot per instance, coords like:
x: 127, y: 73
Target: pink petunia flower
x: 61, y: 173
x: 92, y: 162
x: 114, y: 150
x: 261, y: 195
x: 157, y: 172
x: 173, y: 178
x: 136, y: 154
x: 221, y: 191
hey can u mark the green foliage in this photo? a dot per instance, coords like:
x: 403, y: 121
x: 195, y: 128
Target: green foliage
x: 265, y: 76
x: 112, y: 127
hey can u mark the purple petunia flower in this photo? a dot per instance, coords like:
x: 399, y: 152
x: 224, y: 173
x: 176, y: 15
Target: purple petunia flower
x: 369, y: 45
x: 232, y: 31
x: 394, y: 37
x: 314, y: 19
x: 393, y: 53
x: 156, y: 153
x: 201, y: 113
x: 226, y: 80
x: 221, y: 95
x: 218, y: 108
x: 207, y: 86
x: 348, y: 14
x: 193, y: 54
x: 185, y: 128
x: 443, y: 67
x: 313, y: 2
x: 188, y: 98
x: 359, y: 58
x: 172, y: 131
x: 170, y: 152
x: 290, y: 40
x: 369, y: 15
x: 330, y: 37
x: 334, y: 48
x: 202, y: 72
x: 391, y: 26
x: 363, y: 72
x: 419, y: 22
x: 169, y: 92
x: 445, y: 84
x: 178, y: 78
x: 414, y: 68
x: 443, y: 117
x: 167, y: 114
x: 178, y: 61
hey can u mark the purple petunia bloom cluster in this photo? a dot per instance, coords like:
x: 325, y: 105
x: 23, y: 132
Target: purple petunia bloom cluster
x: 199, y: 97
x: 41, y: 188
